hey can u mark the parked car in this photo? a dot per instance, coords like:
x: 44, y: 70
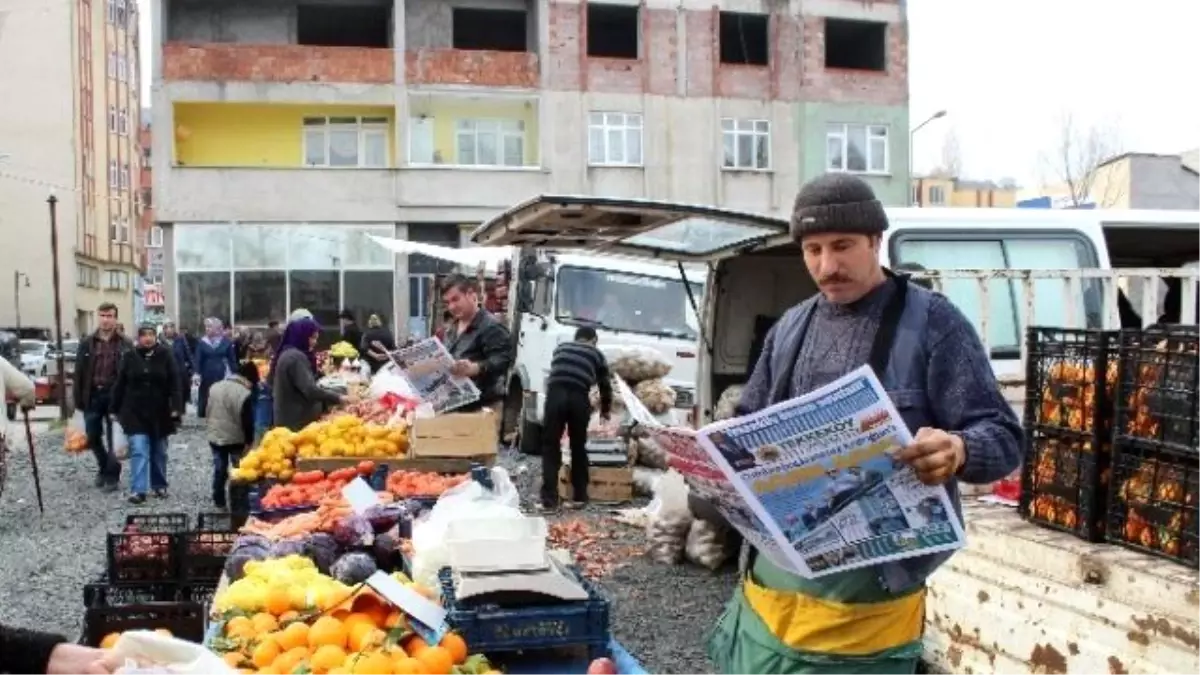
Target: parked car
x: 35, y: 357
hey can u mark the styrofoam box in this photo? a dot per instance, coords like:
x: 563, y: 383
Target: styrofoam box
x: 487, y: 544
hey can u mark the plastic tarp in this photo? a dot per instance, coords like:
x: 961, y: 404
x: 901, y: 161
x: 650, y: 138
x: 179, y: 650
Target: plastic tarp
x: 472, y: 256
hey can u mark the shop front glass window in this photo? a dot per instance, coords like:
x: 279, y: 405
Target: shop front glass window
x: 259, y: 297
x: 202, y: 295
x: 362, y: 252
x: 257, y: 247
x: 316, y: 248
x: 202, y: 247
x: 318, y: 291
x: 368, y: 293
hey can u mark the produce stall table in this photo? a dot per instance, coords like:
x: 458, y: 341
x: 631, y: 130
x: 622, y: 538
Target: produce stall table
x: 558, y: 664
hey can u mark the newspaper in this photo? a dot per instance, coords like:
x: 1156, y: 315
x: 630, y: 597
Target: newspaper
x: 426, y: 366
x: 811, y: 482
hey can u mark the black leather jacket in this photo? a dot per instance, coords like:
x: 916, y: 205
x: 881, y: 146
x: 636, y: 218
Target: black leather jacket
x: 488, y: 343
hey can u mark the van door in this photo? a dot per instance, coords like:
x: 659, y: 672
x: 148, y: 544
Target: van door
x: 633, y: 227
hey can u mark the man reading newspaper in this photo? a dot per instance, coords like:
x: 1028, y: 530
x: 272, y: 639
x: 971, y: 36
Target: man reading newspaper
x: 934, y: 368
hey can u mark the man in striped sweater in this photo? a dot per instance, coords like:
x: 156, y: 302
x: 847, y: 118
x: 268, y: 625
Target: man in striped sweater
x: 574, y: 369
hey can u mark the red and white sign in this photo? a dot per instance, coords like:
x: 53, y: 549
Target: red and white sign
x: 152, y: 296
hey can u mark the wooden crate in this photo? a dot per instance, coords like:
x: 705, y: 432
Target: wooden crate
x: 605, y: 483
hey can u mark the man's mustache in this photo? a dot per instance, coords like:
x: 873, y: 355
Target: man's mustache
x: 833, y: 279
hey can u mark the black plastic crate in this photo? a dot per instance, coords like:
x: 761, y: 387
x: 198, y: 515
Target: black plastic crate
x: 102, y: 593
x: 1064, y: 481
x: 1062, y: 371
x: 183, y: 619
x: 204, y: 553
x: 489, y: 627
x: 199, y: 592
x: 1157, y: 399
x: 138, y: 557
x: 158, y: 522
x: 1153, y: 505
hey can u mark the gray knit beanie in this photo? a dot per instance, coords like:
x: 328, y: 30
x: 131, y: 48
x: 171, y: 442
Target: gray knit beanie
x: 837, y: 202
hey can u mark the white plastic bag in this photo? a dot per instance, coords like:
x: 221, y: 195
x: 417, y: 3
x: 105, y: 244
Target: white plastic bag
x: 118, y: 442
x: 727, y: 404
x: 147, y: 652
x: 707, y: 544
x: 388, y: 380
x: 466, y: 501
x: 670, y: 519
x: 76, y: 439
x: 645, y: 480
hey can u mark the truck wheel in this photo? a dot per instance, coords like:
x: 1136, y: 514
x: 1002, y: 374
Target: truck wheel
x: 11, y: 411
x: 531, y: 438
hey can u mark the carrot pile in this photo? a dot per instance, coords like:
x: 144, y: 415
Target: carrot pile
x: 309, y: 487
x: 407, y: 484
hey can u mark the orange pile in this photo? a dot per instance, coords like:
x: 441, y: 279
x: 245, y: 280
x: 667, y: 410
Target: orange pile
x: 368, y: 637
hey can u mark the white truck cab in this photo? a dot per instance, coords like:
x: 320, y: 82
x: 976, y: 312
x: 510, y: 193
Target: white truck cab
x: 1019, y: 598
x: 630, y: 302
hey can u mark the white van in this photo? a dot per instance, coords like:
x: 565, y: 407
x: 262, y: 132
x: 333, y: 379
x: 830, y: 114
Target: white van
x: 1019, y: 598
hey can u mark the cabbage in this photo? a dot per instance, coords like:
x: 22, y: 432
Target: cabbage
x: 353, y: 568
x: 235, y: 564
x: 387, y: 550
x: 384, y: 517
x: 286, y: 547
x: 253, y: 541
x: 323, y: 550
x: 353, y: 531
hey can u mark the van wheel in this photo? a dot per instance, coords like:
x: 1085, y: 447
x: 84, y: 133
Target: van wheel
x: 11, y: 411
x: 531, y: 438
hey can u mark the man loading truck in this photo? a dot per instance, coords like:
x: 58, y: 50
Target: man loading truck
x: 937, y: 372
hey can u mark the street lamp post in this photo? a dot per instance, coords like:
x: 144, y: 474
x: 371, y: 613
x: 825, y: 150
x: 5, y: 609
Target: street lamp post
x: 61, y: 384
x: 935, y: 116
x: 17, y: 276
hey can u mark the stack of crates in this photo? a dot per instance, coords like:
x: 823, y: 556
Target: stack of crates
x: 1155, y: 463
x: 1071, y: 379
x: 159, y: 574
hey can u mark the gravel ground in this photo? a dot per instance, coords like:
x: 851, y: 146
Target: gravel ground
x: 660, y: 613
x: 46, y: 559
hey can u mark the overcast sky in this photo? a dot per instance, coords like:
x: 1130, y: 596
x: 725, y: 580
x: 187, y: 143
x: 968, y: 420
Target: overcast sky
x: 1007, y: 72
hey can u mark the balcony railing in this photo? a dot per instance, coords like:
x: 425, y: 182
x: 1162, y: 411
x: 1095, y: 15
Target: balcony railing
x: 471, y: 67
x: 277, y: 63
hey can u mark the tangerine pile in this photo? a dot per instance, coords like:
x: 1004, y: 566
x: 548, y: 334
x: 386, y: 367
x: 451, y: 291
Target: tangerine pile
x: 368, y: 637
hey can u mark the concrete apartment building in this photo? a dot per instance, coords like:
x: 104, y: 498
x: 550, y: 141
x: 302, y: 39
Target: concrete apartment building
x: 1131, y: 180
x: 285, y: 129
x: 69, y: 127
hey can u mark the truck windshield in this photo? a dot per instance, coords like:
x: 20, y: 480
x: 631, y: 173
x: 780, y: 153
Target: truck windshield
x: 622, y: 301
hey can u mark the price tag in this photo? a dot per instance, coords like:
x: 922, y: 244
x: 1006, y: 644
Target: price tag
x: 429, y: 618
x: 360, y: 495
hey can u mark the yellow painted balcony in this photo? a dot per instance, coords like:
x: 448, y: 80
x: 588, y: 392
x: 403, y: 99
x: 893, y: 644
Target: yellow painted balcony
x: 473, y: 132
x: 284, y: 136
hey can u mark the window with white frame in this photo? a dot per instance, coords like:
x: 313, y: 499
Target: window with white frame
x: 116, y: 280
x: 122, y: 67
x: 489, y: 142
x: 118, y: 230
x: 123, y: 122
x: 125, y: 176
x: 114, y: 175
x: 112, y: 119
x: 112, y: 64
x: 747, y: 144
x: 614, y: 139
x: 346, y: 142
x: 154, y: 238
x: 937, y: 195
x: 856, y: 148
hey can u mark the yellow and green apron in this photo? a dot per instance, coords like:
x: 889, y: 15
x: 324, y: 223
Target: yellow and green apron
x: 845, y: 623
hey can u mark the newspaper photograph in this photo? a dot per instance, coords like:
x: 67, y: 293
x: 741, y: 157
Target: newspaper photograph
x: 820, y: 473
x: 811, y: 482
x: 426, y: 366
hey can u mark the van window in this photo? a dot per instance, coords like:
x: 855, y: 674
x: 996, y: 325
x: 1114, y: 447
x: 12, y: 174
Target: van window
x: 623, y: 301
x: 1006, y: 298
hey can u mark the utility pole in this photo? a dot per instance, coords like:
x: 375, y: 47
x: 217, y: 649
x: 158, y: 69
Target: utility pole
x: 61, y: 384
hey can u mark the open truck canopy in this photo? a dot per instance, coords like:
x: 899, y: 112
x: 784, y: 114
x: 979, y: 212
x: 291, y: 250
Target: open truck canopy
x: 649, y: 229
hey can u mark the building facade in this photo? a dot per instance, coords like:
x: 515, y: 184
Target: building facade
x: 944, y: 191
x: 287, y: 130
x: 1132, y: 180
x: 69, y: 128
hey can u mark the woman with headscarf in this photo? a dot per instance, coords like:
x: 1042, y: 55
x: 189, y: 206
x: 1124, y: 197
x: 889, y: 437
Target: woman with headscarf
x: 259, y: 353
x: 376, y: 336
x: 148, y: 403
x: 299, y: 401
x: 215, y: 360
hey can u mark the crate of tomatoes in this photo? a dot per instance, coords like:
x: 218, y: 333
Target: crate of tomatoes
x: 307, y: 488
x: 1071, y: 379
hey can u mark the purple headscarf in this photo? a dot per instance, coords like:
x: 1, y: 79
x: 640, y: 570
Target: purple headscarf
x: 296, y: 336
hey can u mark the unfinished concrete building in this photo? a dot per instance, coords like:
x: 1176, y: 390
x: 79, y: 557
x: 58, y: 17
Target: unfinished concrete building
x: 280, y: 123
